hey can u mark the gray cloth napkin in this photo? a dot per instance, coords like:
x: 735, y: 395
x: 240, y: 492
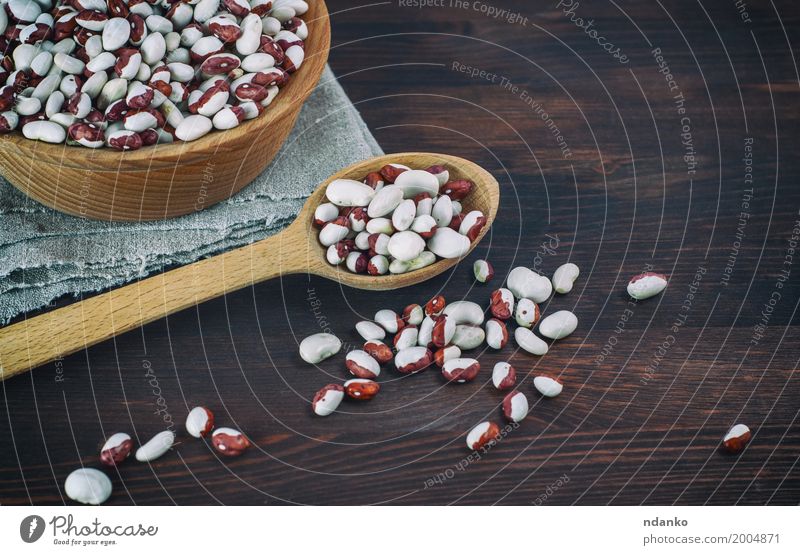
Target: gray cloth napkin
x: 45, y: 254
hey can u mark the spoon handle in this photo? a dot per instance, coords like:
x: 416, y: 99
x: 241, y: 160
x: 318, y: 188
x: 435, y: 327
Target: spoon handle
x: 42, y: 339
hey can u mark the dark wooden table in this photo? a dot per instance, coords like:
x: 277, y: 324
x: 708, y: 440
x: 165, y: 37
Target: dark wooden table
x: 604, y: 161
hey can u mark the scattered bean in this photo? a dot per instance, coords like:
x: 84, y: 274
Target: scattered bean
x: 503, y: 376
x: 327, y: 399
x: 444, y: 328
x: 413, y: 314
x: 441, y: 356
x: 370, y: 330
x: 199, y: 422
x: 388, y: 320
x: 646, y: 285
x: 528, y: 341
x: 502, y: 304
x: 406, y: 337
x: 361, y: 389
x: 467, y: 337
x: 435, y: 306
x: 88, y: 486
x: 378, y: 350
x: 157, y: 446
x: 736, y: 439
x: 564, y: 277
x: 483, y: 271
x: 465, y: 312
x: 425, y: 334
x: 482, y: 435
x: 527, y: 284
x: 461, y: 370
x: 116, y: 449
x: 229, y: 442
x: 316, y: 348
x: 412, y: 360
x: 496, y: 333
x: 547, y: 386
x: 558, y: 325
x: 515, y: 406
x: 362, y: 365
x: 527, y: 313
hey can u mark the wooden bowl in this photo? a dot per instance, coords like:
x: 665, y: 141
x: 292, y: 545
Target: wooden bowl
x: 164, y: 181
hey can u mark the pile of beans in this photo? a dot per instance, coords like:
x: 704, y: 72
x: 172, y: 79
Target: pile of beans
x: 133, y: 73
x: 397, y: 220
x: 438, y: 333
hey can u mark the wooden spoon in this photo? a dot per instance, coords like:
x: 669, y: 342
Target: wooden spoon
x: 295, y: 250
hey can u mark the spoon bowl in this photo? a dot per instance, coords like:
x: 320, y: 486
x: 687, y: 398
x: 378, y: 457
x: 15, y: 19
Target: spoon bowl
x: 295, y: 250
x: 485, y: 197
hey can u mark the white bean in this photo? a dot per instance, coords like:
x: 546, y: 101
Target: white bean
x: 157, y: 446
x: 370, y: 330
x: 316, y: 348
x: 403, y: 216
x: 448, y: 243
x: 116, y: 33
x: 193, y: 127
x: 406, y: 246
x: 249, y: 41
x: 414, y: 182
x: 646, y: 285
x: 547, y: 386
x: 385, y: 201
x: 88, y: 485
x: 528, y: 341
x: 564, y: 277
x: 468, y: 337
x: 525, y: 283
x: 465, y: 312
x: 45, y: 131
x: 442, y: 211
x: 349, y: 192
x: 388, y: 320
x: 558, y: 325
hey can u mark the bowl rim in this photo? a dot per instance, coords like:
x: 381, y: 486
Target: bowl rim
x: 290, y: 101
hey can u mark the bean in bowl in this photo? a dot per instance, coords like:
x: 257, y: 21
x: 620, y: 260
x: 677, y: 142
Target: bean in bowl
x: 397, y: 220
x: 132, y: 73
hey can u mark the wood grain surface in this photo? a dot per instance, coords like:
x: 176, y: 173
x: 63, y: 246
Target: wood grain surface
x: 599, y: 163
